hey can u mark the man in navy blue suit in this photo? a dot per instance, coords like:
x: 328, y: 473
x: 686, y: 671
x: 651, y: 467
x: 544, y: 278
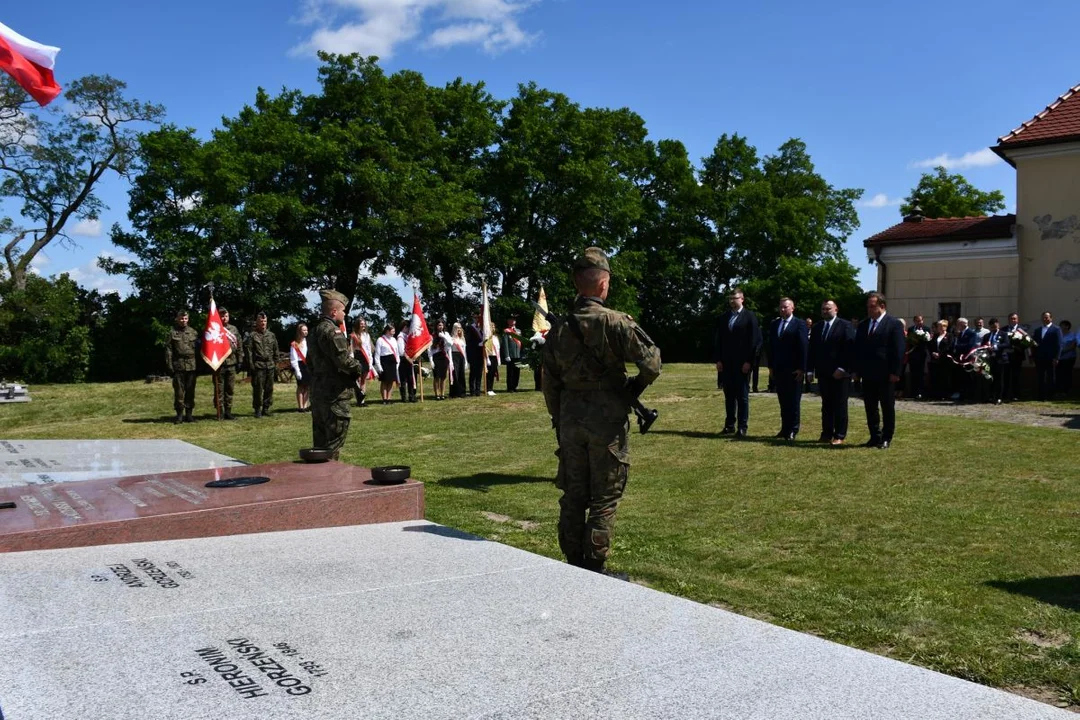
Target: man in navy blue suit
x: 832, y: 344
x: 966, y: 341
x: 788, y: 341
x: 1047, y: 353
x: 737, y: 345
x: 879, y: 357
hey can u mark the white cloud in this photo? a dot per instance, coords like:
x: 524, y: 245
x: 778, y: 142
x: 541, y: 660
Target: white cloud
x: 87, y: 228
x: 979, y: 158
x: 879, y: 201
x: 378, y: 27
x: 92, y: 277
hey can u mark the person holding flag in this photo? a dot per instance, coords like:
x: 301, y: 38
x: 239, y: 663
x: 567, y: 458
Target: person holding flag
x: 30, y: 63
x: 231, y: 364
x: 417, y: 340
x: 511, y: 353
x: 216, y: 350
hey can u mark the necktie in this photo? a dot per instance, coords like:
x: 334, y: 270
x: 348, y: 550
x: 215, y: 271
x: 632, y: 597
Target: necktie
x: 731, y: 320
x: 825, y: 332
x: 783, y: 326
x: 873, y: 327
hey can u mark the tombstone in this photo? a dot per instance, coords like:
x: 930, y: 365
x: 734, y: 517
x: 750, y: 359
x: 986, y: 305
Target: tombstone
x: 414, y: 620
x: 13, y: 393
x: 43, y: 462
x: 199, y: 503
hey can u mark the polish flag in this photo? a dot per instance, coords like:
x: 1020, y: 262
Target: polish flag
x: 418, y: 338
x: 30, y: 63
x: 215, y: 346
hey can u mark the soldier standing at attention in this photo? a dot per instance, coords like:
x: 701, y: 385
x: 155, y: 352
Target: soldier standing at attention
x: 588, y: 395
x: 230, y: 366
x: 334, y: 371
x: 180, y: 352
x: 261, y: 351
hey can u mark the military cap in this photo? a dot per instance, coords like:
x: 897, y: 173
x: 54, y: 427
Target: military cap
x: 328, y: 294
x: 593, y: 257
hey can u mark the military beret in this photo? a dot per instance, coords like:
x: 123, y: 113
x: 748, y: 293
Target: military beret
x: 593, y: 257
x: 328, y: 294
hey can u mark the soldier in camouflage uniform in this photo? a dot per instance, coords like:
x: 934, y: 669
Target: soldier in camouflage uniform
x: 588, y: 395
x: 261, y: 354
x: 230, y: 366
x: 334, y: 371
x: 180, y: 352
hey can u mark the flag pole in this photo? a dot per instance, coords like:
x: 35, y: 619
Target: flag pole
x: 217, y: 392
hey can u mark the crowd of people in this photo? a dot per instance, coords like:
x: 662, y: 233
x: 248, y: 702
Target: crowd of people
x: 882, y: 358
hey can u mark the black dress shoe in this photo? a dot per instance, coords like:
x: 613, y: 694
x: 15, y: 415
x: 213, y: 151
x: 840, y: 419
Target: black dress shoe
x: 728, y: 431
x: 781, y: 435
x: 258, y: 413
x: 791, y: 437
x: 884, y: 445
x: 823, y: 438
x: 740, y: 434
x: 872, y: 443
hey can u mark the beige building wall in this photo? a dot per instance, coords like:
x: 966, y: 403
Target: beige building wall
x: 1048, y: 231
x: 983, y: 287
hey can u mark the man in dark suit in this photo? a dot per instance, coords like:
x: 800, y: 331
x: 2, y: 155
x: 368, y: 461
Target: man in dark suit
x: 1014, y: 359
x: 879, y: 357
x: 474, y: 354
x: 1047, y: 353
x: 966, y: 341
x: 737, y: 343
x: 917, y: 360
x: 832, y: 342
x: 997, y: 342
x: 788, y: 341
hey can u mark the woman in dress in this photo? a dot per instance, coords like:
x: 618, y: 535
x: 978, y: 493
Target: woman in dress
x: 492, y: 361
x: 298, y: 360
x: 459, y: 361
x: 386, y: 362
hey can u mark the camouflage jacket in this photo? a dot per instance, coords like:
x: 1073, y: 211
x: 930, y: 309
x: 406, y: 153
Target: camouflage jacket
x: 261, y: 350
x: 333, y: 368
x: 234, y: 342
x: 586, y: 381
x: 181, y: 348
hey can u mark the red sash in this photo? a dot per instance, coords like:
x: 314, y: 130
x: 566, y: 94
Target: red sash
x: 299, y: 352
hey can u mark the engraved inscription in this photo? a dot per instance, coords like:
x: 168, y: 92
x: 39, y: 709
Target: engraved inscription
x: 127, y: 496
x: 143, y: 572
x: 252, y: 672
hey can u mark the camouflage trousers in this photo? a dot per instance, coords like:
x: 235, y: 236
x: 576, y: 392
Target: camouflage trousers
x: 330, y: 417
x: 262, y: 388
x: 183, y: 385
x: 593, y: 465
x: 228, y: 386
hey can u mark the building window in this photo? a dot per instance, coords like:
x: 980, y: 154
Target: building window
x: 949, y: 311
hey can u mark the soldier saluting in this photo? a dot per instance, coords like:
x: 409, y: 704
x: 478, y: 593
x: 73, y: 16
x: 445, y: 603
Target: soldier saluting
x: 334, y: 371
x: 588, y: 395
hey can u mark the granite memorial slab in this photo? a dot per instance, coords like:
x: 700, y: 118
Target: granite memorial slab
x: 413, y: 620
x: 42, y: 462
x: 199, y: 503
x: 13, y: 393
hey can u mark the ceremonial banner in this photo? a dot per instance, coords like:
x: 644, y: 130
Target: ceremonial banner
x: 540, y: 323
x: 419, y: 338
x: 215, y: 345
x: 30, y: 63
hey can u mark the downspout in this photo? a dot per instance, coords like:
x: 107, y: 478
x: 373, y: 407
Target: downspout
x: 884, y: 270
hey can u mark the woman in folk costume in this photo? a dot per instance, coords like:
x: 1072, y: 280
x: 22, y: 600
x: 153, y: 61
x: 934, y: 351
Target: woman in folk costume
x: 492, y: 360
x: 458, y: 361
x: 440, y: 350
x: 386, y: 362
x: 406, y: 371
x: 362, y: 350
x: 298, y: 360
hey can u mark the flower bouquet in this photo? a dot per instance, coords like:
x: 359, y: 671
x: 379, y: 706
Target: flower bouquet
x: 1018, y: 338
x: 917, y: 337
x: 978, y: 361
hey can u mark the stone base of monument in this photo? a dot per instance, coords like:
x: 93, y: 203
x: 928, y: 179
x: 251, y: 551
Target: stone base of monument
x: 13, y: 393
x: 200, y: 503
x: 414, y: 620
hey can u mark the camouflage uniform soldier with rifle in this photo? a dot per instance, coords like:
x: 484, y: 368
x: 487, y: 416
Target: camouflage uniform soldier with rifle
x: 589, y: 396
x: 334, y: 371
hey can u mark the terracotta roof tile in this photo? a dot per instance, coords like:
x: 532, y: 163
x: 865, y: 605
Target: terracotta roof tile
x: 1059, y: 122
x: 944, y: 229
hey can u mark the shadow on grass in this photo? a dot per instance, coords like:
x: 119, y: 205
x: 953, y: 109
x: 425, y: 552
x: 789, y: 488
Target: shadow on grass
x: 1073, y: 422
x: 482, y: 482
x: 1063, y: 591
x: 442, y: 531
x: 758, y: 439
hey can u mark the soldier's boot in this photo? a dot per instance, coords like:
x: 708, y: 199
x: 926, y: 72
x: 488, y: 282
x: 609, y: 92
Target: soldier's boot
x: 336, y: 455
x: 258, y: 413
x: 187, y: 417
x: 178, y: 419
x: 575, y: 561
x: 597, y: 566
x: 228, y: 414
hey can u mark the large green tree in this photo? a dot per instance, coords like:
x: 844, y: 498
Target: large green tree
x: 941, y: 195
x: 52, y: 160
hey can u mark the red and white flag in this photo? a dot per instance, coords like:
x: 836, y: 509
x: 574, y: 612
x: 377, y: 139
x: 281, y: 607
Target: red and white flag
x: 485, y: 324
x: 215, y: 345
x: 418, y: 338
x: 30, y: 63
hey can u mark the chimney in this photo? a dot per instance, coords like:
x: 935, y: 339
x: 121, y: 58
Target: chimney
x: 915, y: 215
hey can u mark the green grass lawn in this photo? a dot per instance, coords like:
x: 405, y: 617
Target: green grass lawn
x: 958, y: 549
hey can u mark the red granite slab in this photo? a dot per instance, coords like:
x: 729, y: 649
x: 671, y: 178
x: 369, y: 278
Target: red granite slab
x: 170, y: 506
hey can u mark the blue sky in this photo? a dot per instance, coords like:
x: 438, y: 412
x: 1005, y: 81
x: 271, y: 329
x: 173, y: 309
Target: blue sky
x: 876, y: 91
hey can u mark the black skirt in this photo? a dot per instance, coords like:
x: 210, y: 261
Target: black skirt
x: 442, y: 364
x: 389, y: 369
x: 305, y: 379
